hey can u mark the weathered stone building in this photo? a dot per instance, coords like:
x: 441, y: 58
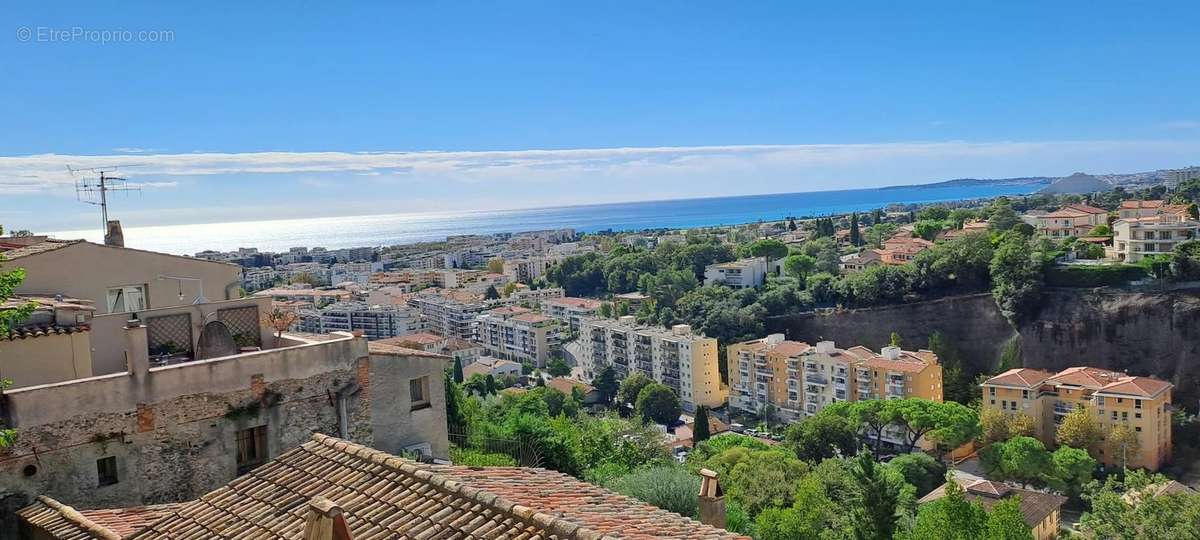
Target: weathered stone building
x: 172, y: 433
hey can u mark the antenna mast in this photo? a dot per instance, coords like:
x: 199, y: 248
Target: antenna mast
x: 95, y: 191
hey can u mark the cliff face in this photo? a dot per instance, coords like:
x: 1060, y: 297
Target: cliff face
x: 1146, y: 334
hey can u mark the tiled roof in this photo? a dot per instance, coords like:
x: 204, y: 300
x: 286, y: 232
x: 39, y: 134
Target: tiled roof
x: 41, y: 247
x: 1035, y: 505
x: 57, y: 520
x: 571, y: 301
x: 383, y: 496
x: 790, y: 348
x: 908, y: 361
x: 1023, y: 377
x: 385, y: 349
x: 27, y: 332
x: 1065, y: 212
x: 420, y: 338
x: 1136, y: 386
x: 1087, y: 209
x: 565, y: 385
x: 126, y: 521
x: 1087, y: 377
x: 509, y: 310
x: 1131, y: 205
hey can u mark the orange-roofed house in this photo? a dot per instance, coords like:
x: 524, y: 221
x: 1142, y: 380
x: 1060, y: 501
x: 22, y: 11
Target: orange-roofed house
x: 902, y: 248
x: 1117, y: 399
x: 1071, y: 220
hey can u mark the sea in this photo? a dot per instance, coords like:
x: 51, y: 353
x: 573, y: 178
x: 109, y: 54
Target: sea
x: 390, y: 229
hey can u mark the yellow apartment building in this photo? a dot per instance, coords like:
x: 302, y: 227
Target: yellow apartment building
x: 1143, y: 403
x: 799, y: 379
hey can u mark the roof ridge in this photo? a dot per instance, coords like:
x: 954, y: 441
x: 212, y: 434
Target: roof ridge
x: 71, y: 514
x: 555, y: 525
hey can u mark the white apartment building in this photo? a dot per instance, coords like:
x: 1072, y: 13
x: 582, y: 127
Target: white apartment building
x: 571, y: 311
x: 739, y: 274
x: 375, y: 321
x: 524, y: 296
x: 1174, y: 177
x: 684, y: 361
x: 446, y: 316
x: 1135, y: 238
x: 526, y: 270
x: 518, y: 334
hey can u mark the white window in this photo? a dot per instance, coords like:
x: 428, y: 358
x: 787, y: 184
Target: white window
x: 127, y: 298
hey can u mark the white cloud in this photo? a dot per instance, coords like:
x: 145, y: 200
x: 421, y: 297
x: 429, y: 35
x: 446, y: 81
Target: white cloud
x: 906, y: 162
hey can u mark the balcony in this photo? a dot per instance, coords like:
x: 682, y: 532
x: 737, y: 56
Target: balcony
x: 895, y: 390
x: 816, y: 379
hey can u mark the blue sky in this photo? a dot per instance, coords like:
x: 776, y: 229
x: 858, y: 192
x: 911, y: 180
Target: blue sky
x: 284, y: 109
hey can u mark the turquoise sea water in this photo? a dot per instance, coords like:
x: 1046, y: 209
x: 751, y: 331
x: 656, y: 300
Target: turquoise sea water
x: 352, y: 231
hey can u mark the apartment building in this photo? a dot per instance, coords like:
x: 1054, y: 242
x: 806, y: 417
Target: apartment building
x: 1117, y: 399
x: 678, y: 358
x: 739, y: 274
x: 1071, y: 220
x: 1172, y: 178
x: 374, y: 321
x: 570, y: 310
x: 799, y: 379
x: 518, y: 334
x: 527, y: 269
x: 1136, y: 237
x: 447, y: 316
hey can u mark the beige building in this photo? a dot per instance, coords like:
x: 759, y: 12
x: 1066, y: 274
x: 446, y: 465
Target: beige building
x: 1071, y: 220
x: 799, y: 379
x: 120, y: 279
x: 53, y: 344
x: 1150, y: 228
x: 164, y: 433
x: 518, y: 334
x: 684, y: 361
x: 1039, y: 510
x: 1116, y: 399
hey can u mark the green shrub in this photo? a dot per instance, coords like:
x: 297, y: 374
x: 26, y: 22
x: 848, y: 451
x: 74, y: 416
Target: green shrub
x: 669, y: 487
x: 478, y: 458
x: 1093, y: 276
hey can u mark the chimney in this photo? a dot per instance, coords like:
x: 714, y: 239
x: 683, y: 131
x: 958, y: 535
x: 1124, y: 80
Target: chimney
x: 325, y: 521
x: 712, y: 500
x: 113, y: 236
x: 137, y: 348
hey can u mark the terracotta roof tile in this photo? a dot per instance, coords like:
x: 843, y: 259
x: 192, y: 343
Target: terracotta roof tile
x: 126, y: 521
x: 1131, y: 205
x: 41, y: 247
x: 1022, y: 377
x: 386, y: 497
x: 1035, y: 505
x: 1137, y: 386
x: 1087, y: 377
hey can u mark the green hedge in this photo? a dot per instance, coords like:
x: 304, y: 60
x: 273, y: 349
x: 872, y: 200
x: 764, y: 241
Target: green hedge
x: 1093, y: 276
x: 477, y: 458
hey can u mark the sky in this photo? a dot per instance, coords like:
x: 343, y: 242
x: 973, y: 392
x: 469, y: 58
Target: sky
x: 262, y: 110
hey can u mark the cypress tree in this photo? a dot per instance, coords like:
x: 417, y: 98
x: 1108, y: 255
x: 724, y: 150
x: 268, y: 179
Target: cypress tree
x: 855, y: 234
x: 458, y: 372
x: 701, y: 432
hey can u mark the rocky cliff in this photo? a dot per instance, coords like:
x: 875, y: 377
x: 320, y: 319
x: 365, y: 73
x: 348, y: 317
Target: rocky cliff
x: 1144, y: 334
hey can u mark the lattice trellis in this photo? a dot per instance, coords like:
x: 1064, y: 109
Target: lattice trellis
x: 168, y: 332
x: 243, y: 324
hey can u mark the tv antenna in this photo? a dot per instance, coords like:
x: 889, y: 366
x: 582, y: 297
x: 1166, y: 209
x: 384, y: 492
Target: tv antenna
x: 95, y: 190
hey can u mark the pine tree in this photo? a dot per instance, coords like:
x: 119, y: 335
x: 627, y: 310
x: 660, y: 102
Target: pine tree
x: 701, y: 432
x: 855, y: 234
x: 876, y: 216
x: 458, y: 371
x: 791, y: 224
